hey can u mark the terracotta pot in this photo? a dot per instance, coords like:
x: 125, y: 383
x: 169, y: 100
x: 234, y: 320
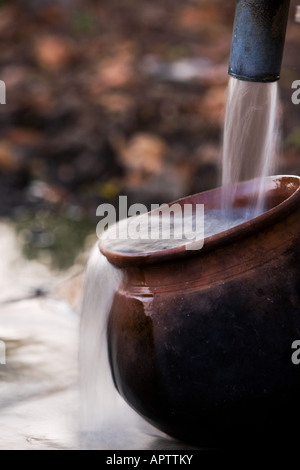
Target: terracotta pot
x: 200, y: 341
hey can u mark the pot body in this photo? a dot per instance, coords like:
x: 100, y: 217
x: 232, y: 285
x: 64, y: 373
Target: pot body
x: 201, y: 345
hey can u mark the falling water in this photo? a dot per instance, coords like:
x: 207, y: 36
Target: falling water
x: 250, y: 138
x: 106, y: 420
x: 249, y: 150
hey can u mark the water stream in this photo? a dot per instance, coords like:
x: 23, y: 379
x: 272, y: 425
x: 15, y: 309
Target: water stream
x: 39, y: 392
x: 250, y: 138
x: 249, y: 151
x: 106, y: 421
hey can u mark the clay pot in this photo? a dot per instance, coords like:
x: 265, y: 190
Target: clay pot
x: 200, y: 341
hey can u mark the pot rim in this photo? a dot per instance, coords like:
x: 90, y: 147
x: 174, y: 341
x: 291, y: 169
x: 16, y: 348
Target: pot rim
x: 225, y: 237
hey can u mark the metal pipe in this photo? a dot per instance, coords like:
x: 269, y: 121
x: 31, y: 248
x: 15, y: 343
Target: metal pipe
x: 258, y: 39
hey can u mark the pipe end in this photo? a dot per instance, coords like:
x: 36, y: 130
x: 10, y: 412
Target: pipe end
x: 257, y: 79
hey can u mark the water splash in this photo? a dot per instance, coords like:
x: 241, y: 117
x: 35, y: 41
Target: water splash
x: 250, y: 140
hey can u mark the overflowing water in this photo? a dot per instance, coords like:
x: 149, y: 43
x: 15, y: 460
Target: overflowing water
x: 163, y: 233
x: 101, y: 281
x: 106, y: 420
x: 249, y: 151
x: 250, y: 138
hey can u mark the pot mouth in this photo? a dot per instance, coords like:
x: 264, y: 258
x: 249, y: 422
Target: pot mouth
x: 282, y: 196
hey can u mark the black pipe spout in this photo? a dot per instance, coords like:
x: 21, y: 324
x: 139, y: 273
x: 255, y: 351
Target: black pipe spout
x: 258, y: 39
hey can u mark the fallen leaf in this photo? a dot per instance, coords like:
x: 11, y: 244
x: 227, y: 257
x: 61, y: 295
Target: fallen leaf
x: 9, y: 160
x: 53, y: 52
x: 144, y: 152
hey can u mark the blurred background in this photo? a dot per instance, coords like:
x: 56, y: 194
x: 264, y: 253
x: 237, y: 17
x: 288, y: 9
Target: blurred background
x: 106, y: 97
